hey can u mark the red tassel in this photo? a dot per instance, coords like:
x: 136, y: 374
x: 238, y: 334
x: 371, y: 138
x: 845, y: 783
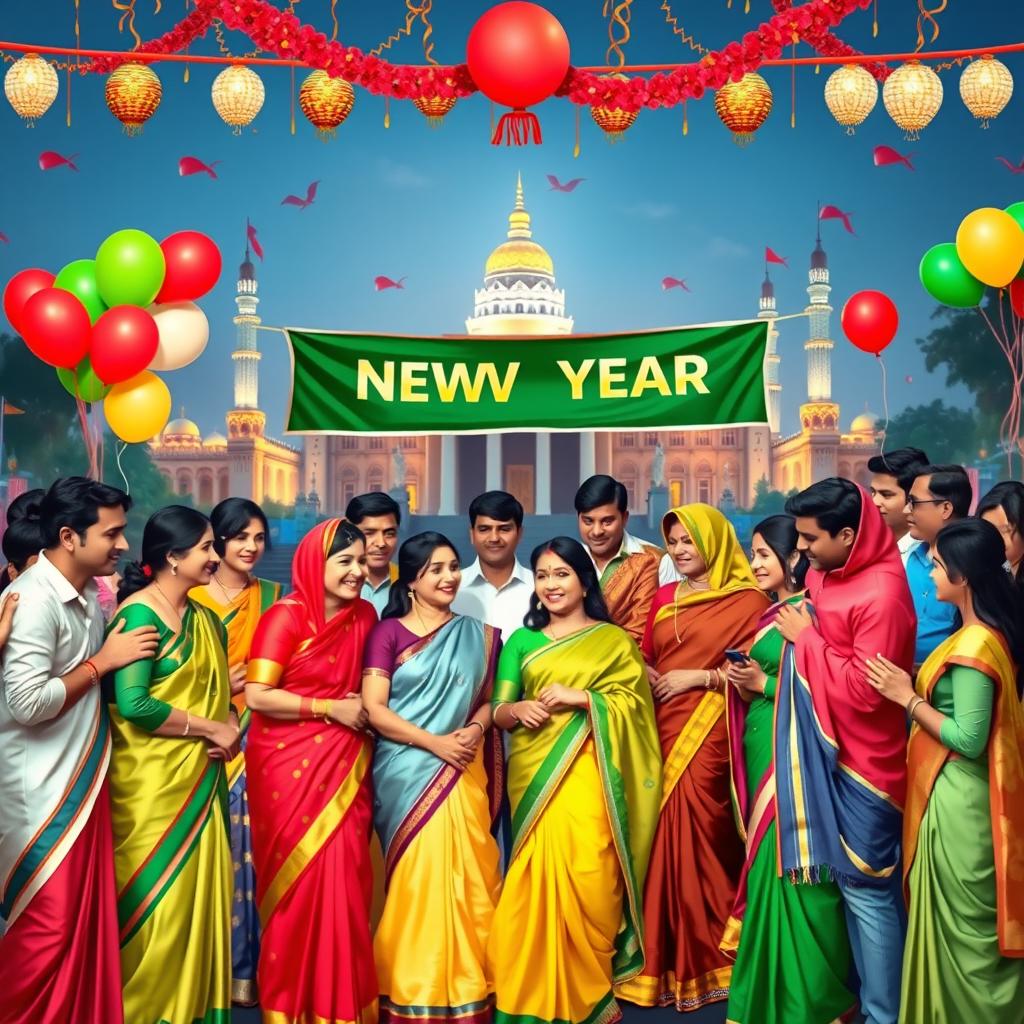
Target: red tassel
x: 515, y: 129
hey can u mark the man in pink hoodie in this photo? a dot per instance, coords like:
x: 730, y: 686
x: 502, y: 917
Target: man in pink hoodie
x: 862, y: 607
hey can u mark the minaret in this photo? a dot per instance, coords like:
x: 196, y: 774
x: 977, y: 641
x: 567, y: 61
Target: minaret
x: 819, y: 344
x: 246, y: 418
x: 773, y: 386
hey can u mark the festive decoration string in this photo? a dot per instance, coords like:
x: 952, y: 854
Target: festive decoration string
x: 334, y: 20
x: 924, y: 14
x: 677, y: 29
x: 620, y: 14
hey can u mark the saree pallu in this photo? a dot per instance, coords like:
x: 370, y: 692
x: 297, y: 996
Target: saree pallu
x: 240, y: 618
x: 434, y: 822
x: 58, y: 956
x: 963, y: 834
x: 793, y: 959
x: 311, y: 804
x: 584, y: 792
x: 171, y: 852
x: 697, y: 855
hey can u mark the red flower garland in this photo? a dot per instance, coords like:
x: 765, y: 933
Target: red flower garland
x: 281, y: 33
x: 828, y: 45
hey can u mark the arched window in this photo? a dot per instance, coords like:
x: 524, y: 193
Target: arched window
x: 705, y: 484
x: 223, y: 485
x: 349, y: 482
x: 184, y: 485
x: 205, y: 480
x: 375, y: 479
x: 519, y: 307
x: 627, y: 476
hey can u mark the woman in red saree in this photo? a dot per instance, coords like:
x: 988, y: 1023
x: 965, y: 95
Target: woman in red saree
x: 310, y: 798
x: 697, y: 854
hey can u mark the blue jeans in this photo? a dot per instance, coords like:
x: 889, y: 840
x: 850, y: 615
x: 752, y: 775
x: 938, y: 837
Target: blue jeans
x: 877, y: 922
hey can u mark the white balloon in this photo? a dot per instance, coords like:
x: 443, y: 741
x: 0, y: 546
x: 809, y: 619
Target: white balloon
x: 184, y: 332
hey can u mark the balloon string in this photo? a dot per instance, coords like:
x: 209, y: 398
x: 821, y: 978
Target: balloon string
x: 885, y: 402
x: 118, y: 452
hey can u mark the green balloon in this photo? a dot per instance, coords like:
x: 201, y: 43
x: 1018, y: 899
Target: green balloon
x: 82, y: 382
x: 130, y: 268
x: 1016, y: 211
x: 946, y: 279
x: 79, y: 278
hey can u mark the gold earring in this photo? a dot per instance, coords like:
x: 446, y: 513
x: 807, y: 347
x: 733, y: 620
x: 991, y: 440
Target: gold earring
x: 174, y: 569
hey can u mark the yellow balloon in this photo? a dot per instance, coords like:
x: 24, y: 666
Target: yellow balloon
x: 138, y: 409
x: 990, y: 244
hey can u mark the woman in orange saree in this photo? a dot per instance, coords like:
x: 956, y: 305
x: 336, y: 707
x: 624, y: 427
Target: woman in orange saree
x: 310, y: 798
x: 697, y: 855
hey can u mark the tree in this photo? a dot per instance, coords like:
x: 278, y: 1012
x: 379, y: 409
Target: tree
x: 964, y: 345
x: 767, y: 502
x: 946, y: 433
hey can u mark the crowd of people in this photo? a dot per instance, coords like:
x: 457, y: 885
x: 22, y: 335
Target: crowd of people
x: 414, y: 789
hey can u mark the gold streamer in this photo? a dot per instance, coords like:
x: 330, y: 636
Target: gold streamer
x: 620, y: 14
x: 792, y: 109
x: 686, y: 122
x: 428, y: 31
x: 874, y: 22
x: 128, y: 16
x: 387, y: 111
x: 292, y: 70
x: 926, y: 14
x: 746, y: 7
x: 576, y: 147
x: 412, y: 12
x: 334, y: 20
x: 78, y: 59
x: 677, y: 29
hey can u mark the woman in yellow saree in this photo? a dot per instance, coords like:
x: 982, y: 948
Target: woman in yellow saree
x: 239, y: 599
x: 584, y: 783
x: 173, y: 731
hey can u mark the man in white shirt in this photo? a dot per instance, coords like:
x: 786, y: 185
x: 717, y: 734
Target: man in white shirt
x: 892, y: 473
x: 378, y: 517
x: 496, y: 588
x: 59, y: 897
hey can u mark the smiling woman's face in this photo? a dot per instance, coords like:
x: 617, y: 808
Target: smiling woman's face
x: 683, y: 550
x: 438, y: 581
x: 557, y: 586
x: 345, y: 571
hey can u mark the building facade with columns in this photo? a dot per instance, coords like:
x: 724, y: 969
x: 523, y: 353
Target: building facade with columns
x: 246, y: 463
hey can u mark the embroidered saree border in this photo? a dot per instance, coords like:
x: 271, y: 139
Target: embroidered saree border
x: 710, y: 708
x: 143, y: 891
x: 316, y: 836
x: 477, y: 1012
x: 63, y: 825
x: 686, y: 995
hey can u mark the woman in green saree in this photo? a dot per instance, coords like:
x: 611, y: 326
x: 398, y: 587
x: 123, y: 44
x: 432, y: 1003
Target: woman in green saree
x: 794, y: 955
x: 584, y: 783
x: 173, y: 732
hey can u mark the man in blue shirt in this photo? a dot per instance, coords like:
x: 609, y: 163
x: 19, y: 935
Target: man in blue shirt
x: 938, y: 496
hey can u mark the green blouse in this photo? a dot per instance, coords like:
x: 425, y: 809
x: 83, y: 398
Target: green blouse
x: 508, y: 685
x: 965, y: 696
x: 133, y: 682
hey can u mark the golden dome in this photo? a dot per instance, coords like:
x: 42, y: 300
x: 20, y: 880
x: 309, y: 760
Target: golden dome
x: 181, y: 431
x: 865, y: 423
x: 215, y: 440
x: 520, y: 253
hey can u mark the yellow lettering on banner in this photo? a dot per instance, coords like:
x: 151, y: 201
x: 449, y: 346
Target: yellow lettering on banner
x: 367, y: 375
x: 691, y: 370
x: 650, y: 375
x: 576, y: 377
x: 414, y: 375
x: 447, y: 387
x: 608, y: 377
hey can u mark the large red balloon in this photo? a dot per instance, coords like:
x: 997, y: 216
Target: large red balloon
x: 870, y: 320
x: 20, y: 289
x: 56, y: 327
x: 1017, y: 296
x: 518, y: 54
x: 193, y: 266
x: 124, y: 343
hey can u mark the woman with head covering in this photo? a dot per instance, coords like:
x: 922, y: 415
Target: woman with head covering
x: 238, y: 599
x: 584, y: 783
x: 427, y: 677
x: 793, y: 960
x: 697, y: 854
x: 308, y: 765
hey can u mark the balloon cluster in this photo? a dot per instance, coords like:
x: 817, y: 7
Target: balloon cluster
x: 989, y: 250
x: 107, y: 323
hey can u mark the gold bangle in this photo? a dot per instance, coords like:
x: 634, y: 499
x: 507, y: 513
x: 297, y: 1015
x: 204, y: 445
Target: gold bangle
x: 483, y: 731
x: 188, y: 723
x: 327, y: 707
x: 910, y: 714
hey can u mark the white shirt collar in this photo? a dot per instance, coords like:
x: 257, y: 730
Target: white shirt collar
x: 61, y: 585
x: 473, y: 574
x: 907, y: 543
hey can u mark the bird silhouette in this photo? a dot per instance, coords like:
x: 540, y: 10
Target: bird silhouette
x: 193, y: 165
x: 48, y: 159
x: 381, y: 282
x: 673, y: 282
x: 569, y: 186
x: 1018, y: 169
x: 299, y: 201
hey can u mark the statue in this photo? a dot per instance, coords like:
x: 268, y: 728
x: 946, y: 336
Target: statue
x: 658, y: 466
x: 398, y: 468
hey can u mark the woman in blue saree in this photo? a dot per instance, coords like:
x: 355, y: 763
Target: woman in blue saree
x: 437, y: 781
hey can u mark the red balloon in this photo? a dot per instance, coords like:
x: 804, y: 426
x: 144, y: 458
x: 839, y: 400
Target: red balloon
x: 870, y: 320
x: 56, y: 327
x: 193, y: 266
x: 124, y: 343
x: 20, y: 289
x: 518, y: 54
x: 1017, y: 296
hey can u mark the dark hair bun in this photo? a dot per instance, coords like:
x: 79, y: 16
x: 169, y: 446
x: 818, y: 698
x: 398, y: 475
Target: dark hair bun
x: 25, y: 507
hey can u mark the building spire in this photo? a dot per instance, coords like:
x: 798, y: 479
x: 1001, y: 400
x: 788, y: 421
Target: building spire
x: 519, y: 219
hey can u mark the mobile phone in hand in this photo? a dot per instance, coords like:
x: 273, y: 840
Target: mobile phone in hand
x: 736, y: 657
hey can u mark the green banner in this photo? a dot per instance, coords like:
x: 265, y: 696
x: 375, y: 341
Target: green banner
x: 344, y: 383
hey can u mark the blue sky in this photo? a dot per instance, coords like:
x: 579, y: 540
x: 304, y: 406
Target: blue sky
x: 430, y: 205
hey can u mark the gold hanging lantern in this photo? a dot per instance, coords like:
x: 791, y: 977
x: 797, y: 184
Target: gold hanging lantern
x: 31, y: 87
x: 237, y: 96
x: 613, y: 121
x: 434, y: 108
x: 326, y: 102
x: 133, y: 93
x: 986, y: 87
x: 850, y: 95
x: 912, y: 95
x: 744, y: 106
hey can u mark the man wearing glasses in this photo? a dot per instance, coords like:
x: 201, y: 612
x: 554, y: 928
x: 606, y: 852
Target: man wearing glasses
x: 938, y: 496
